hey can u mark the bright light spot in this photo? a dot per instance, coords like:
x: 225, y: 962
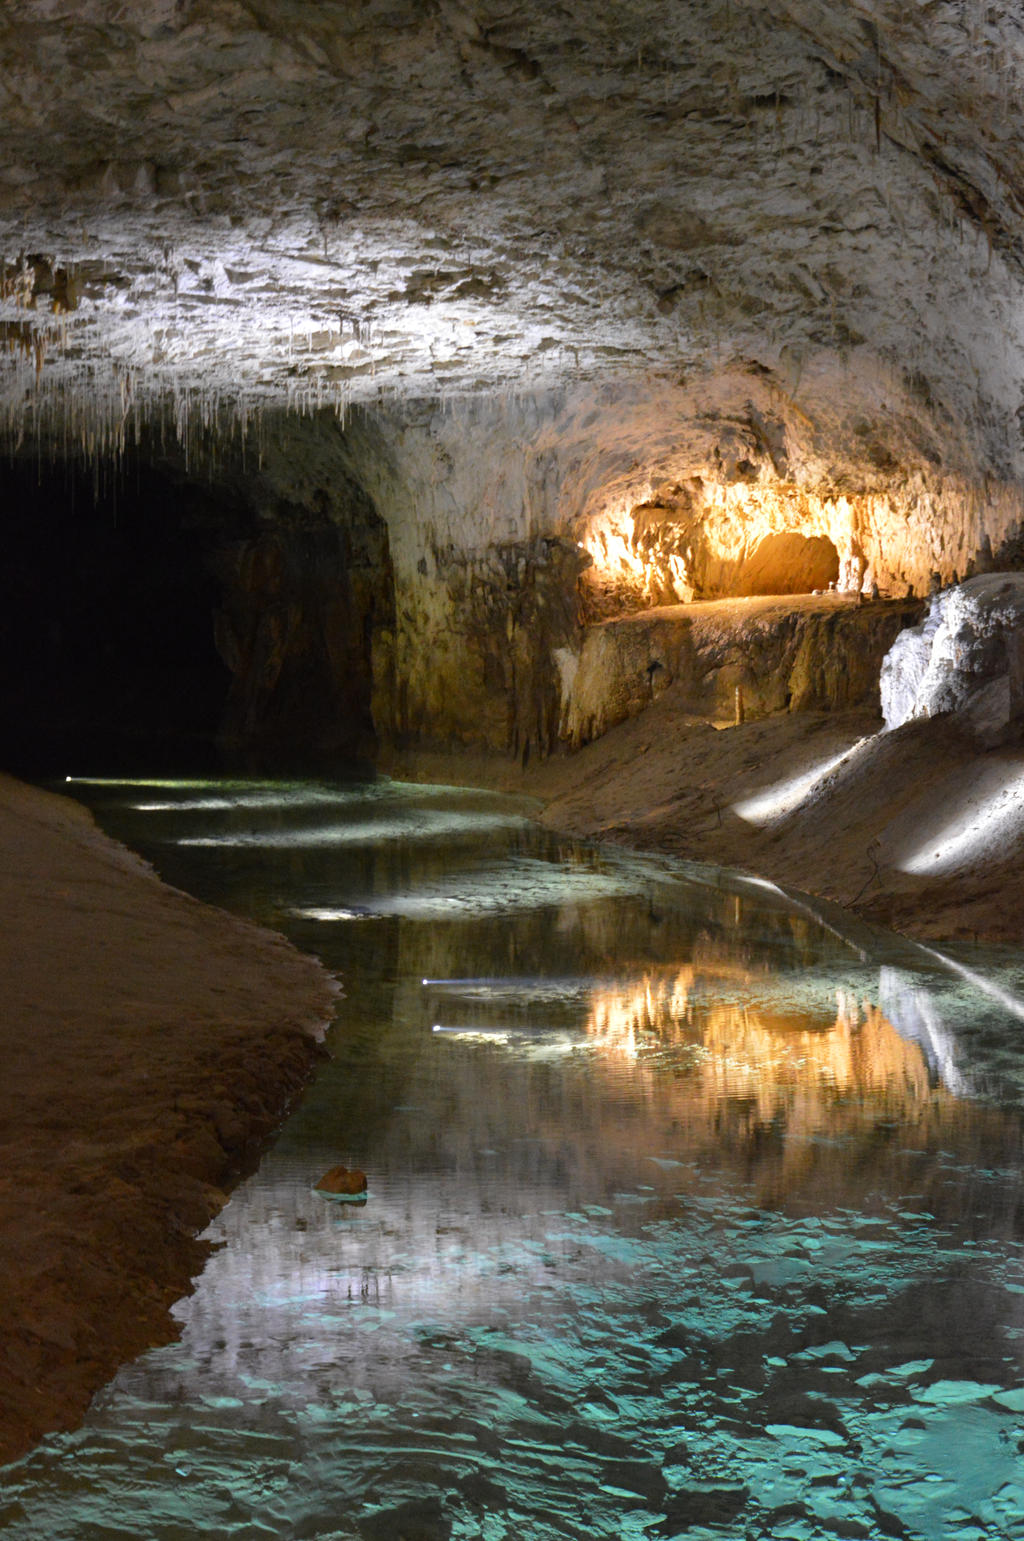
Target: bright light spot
x: 281, y: 798
x: 776, y: 801
x: 492, y: 1034
x: 497, y: 988
x: 753, y: 882
x: 331, y: 914
x: 426, y: 826
x: 522, y: 883
x: 537, y: 1044
x: 1011, y: 1003
x: 990, y: 814
x: 186, y: 806
x: 914, y: 1012
x: 125, y: 781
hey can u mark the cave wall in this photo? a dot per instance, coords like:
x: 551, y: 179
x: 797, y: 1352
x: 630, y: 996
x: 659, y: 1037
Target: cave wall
x: 513, y: 528
x: 438, y: 572
x: 305, y: 615
x: 614, y: 306
x: 778, y: 657
x: 485, y: 580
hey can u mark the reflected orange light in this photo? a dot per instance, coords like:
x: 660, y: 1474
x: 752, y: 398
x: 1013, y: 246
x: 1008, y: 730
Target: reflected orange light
x: 757, y: 1054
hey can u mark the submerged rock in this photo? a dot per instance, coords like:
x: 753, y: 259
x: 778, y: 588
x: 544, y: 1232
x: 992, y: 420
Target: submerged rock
x: 342, y: 1182
x: 966, y: 657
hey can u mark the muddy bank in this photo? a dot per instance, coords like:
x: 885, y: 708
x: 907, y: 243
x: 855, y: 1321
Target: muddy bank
x: 150, y: 1045
x: 916, y: 829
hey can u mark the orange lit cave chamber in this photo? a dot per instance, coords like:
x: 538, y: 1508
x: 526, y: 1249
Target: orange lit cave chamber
x: 698, y: 539
x: 748, y: 593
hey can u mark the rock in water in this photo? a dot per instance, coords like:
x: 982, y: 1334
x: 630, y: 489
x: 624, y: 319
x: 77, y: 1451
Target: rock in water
x: 966, y: 657
x: 343, y: 1182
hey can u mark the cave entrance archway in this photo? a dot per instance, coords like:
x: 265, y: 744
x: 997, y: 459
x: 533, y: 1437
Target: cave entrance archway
x: 785, y: 563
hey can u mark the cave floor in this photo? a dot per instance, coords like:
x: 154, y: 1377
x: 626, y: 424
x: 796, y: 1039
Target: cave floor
x: 916, y: 829
x: 150, y: 1044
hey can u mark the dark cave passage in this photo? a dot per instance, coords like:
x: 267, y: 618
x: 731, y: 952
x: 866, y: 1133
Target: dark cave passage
x: 185, y: 620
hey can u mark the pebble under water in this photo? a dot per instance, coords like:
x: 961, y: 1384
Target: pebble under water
x: 689, y: 1213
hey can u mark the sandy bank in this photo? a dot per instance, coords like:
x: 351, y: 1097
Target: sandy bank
x: 149, y: 1045
x: 917, y: 829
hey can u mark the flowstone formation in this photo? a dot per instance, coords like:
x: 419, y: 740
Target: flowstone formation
x: 965, y: 658
x: 615, y: 307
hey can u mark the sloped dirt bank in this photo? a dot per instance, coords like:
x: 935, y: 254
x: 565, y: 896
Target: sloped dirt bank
x: 916, y: 829
x: 150, y: 1044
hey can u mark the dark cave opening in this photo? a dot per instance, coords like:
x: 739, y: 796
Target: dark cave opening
x: 160, y: 618
x: 105, y: 616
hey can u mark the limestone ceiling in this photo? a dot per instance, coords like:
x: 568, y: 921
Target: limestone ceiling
x: 305, y: 201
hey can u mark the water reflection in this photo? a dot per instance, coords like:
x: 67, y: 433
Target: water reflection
x: 683, y: 1218
x: 810, y: 1112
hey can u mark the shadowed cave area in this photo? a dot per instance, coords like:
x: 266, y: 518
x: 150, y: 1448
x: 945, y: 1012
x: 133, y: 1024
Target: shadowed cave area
x: 245, y: 608
x: 166, y: 617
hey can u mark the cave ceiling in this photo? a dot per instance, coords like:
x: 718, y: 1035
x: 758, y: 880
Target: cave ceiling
x: 229, y: 205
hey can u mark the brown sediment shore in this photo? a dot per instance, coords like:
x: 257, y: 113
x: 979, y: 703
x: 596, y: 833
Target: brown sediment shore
x: 150, y: 1045
x: 666, y: 781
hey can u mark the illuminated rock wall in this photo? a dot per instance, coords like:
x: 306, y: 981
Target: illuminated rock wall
x: 796, y: 656
x: 466, y: 574
x: 965, y: 658
x: 726, y: 297
x: 515, y: 523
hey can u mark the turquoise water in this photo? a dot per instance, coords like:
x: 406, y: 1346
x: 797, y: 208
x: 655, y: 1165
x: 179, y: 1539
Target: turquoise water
x: 690, y: 1213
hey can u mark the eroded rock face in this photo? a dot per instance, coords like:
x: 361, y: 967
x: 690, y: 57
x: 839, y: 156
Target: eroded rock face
x: 801, y: 655
x: 305, y: 613
x: 966, y: 658
x: 295, y: 626
x: 478, y: 634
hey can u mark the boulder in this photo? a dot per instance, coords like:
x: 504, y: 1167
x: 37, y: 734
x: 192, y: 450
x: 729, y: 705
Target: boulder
x: 965, y: 658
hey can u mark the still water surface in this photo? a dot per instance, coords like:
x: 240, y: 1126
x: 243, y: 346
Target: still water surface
x: 689, y: 1214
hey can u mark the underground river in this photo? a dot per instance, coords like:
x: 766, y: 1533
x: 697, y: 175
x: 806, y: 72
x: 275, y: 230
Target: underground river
x: 689, y: 1214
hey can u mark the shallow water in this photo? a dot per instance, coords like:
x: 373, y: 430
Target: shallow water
x: 689, y: 1215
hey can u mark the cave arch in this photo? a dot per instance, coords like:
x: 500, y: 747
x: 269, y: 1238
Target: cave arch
x: 786, y: 563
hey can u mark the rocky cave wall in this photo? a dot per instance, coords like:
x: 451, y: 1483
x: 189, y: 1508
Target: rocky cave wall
x: 518, y: 524
x: 458, y: 574
x: 611, y: 307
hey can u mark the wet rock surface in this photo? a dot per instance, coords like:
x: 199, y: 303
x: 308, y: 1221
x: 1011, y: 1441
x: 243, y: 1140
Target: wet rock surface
x: 742, y: 657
